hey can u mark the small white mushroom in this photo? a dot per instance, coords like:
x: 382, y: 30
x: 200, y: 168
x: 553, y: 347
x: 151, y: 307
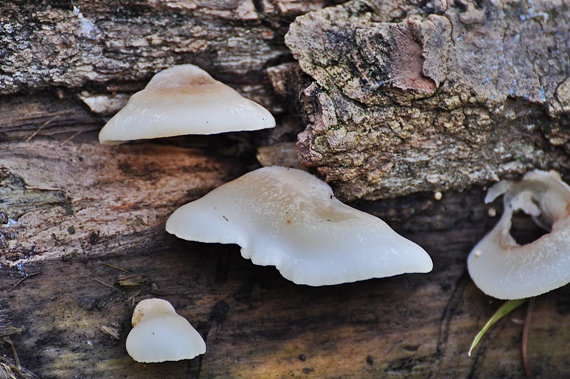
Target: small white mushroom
x: 501, y: 267
x: 159, y: 334
x: 290, y: 219
x: 184, y: 100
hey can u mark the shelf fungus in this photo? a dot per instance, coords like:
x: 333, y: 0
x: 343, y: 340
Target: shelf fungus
x: 159, y: 334
x: 184, y: 100
x: 501, y: 267
x: 290, y: 219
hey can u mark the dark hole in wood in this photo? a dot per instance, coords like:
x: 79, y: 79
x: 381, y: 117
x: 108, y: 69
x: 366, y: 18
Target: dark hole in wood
x: 524, y: 230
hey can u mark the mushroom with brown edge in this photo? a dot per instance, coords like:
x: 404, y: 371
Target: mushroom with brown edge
x: 501, y: 267
x: 159, y: 334
x: 290, y: 219
x: 184, y: 100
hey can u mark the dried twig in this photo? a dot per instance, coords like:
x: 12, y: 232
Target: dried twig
x: 7, y: 371
x: 103, y: 283
x: 72, y: 137
x: 44, y: 125
x: 117, y: 268
x: 24, y: 278
x: 16, y: 359
x: 131, y: 298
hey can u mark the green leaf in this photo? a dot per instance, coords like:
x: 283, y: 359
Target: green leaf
x: 508, y: 307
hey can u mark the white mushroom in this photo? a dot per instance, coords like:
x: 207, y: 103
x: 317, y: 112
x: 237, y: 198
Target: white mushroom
x: 290, y: 219
x: 184, y: 100
x: 502, y: 268
x: 159, y: 334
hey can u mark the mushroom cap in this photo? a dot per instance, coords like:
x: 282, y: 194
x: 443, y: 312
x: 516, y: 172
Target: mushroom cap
x: 501, y: 267
x: 184, y: 100
x: 159, y: 334
x: 290, y: 219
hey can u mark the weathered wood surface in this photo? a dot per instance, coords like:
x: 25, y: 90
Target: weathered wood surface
x: 70, y: 44
x: 94, y: 55
x: 91, y: 213
x: 88, y: 220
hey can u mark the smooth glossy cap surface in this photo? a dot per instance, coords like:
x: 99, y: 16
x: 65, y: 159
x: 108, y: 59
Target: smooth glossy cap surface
x: 184, y: 100
x: 159, y: 334
x: 290, y: 219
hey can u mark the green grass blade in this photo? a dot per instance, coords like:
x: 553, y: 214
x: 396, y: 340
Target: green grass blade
x: 508, y: 307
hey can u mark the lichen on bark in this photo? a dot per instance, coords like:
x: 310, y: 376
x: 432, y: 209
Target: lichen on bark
x: 442, y: 96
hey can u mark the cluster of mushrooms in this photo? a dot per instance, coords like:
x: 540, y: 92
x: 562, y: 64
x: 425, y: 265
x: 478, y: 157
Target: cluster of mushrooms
x: 290, y: 219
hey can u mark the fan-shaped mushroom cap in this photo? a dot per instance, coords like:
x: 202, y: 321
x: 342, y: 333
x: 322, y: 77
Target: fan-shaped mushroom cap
x: 159, y: 334
x: 290, y: 219
x: 184, y: 100
x: 501, y: 267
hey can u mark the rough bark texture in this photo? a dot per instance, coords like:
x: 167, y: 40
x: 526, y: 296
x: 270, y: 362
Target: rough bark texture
x: 71, y: 44
x: 441, y: 96
x: 105, y: 49
x: 82, y: 234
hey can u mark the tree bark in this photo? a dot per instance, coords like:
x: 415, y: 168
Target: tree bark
x: 82, y: 236
x: 441, y: 96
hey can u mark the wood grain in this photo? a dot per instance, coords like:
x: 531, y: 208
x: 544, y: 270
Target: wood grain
x: 256, y: 323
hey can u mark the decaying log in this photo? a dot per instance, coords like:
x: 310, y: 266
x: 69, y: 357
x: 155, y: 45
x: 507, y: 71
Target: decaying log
x: 256, y: 323
x: 441, y: 96
x: 99, y: 53
x: 82, y: 236
x: 67, y: 44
